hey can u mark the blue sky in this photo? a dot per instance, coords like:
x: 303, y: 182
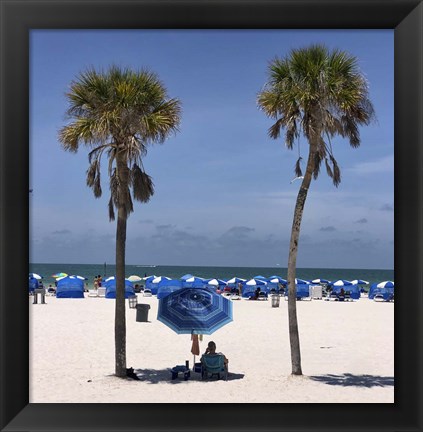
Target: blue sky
x: 223, y: 192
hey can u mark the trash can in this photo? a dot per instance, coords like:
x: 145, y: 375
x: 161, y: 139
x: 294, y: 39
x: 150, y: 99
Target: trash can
x: 42, y: 294
x: 142, y: 312
x: 275, y: 300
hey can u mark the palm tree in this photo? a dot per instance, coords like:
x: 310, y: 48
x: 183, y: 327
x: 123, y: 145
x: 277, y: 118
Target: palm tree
x: 119, y: 112
x: 318, y: 94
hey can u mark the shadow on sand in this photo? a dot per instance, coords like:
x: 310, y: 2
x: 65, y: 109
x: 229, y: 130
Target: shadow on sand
x: 154, y: 376
x: 350, y: 380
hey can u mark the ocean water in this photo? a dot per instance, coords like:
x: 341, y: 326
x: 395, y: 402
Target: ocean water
x: 175, y: 272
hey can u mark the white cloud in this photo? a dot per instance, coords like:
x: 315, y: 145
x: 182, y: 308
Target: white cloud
x: 382, y: 165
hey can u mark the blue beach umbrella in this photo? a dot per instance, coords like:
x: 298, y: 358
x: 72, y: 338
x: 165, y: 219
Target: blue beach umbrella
x: 319, y: 281
x: 359, y: 282
x: 35, y: 276
x: 301, y: 282
x: 255, y: 282
x: 215, y: 282
x: 193, y: 282
x: 277, y: 279
x: 386, y: 284
x: 235, y: 280
x: 194, y: 311
x: 341, y: 282
x: 260, y: 277
x: 274, y: 281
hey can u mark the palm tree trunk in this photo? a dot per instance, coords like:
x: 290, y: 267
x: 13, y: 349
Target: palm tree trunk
x: 120, y: 319
x: 292, y: 265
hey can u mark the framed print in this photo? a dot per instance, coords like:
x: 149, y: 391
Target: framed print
x: 180, y: 28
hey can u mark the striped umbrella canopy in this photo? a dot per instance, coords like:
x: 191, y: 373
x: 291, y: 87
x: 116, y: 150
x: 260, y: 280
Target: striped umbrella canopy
x: 59, y: 275
x: 277, y: 279
x: 385, y: 284
x: 215, y: 282
x: 35, y: 276
x: 235, y: 280
x: 158, y: 279
x: 260, y: 277
x: 318, y: 281
x: 134, y: 278
x: 359, y: 282
x: 194, y: 311
x: 341, y: 282
x: 152, y: 283
x: 110, y: 278
x: 301, y: 282
x: 255, y: 282
x: 193, y: 282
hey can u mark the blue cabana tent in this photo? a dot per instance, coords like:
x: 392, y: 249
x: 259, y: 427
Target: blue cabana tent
x: 33, y: 284
x: 386, y: 289
x: 70, y: 287
x: 249, y: 287
x: 303, y: 289
x: 154, y: 283
x: 167, y: 286
x: 110, y: 285
x: 355, y: 290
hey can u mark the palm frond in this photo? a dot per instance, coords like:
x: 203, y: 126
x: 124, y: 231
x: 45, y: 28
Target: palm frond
x: 328, y: 169
x: 317, y: 163
x: 336, y: 178
x: 97, y: 186
x: 297, y: 169
x: 111, y: 210
x: 142, y: 184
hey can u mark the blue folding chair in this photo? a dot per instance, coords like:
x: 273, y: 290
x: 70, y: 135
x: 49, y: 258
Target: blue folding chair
x: 213, y: 364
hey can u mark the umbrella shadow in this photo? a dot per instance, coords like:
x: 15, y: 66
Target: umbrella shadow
x: 350, y: 380
x: 155, y: 376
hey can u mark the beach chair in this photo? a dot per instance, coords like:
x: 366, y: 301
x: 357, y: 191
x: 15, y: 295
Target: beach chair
x: 101, y: 291
x: 213, y: 364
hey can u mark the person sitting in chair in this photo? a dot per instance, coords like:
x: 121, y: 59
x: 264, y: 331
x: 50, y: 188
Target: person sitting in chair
x: 211, y: 349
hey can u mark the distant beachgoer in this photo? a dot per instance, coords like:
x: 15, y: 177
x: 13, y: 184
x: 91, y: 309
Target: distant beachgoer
x: 51, y: 289
x: 95, y: 282
x: 240, y: 288
x: 256, y: 293
x: 211, y: 349
x: 100, y: 280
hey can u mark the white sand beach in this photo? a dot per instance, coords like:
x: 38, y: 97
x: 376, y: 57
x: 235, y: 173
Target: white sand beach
x: 347, y: 353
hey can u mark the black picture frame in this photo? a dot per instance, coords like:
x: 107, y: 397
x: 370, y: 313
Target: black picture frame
x: 17, y: 19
